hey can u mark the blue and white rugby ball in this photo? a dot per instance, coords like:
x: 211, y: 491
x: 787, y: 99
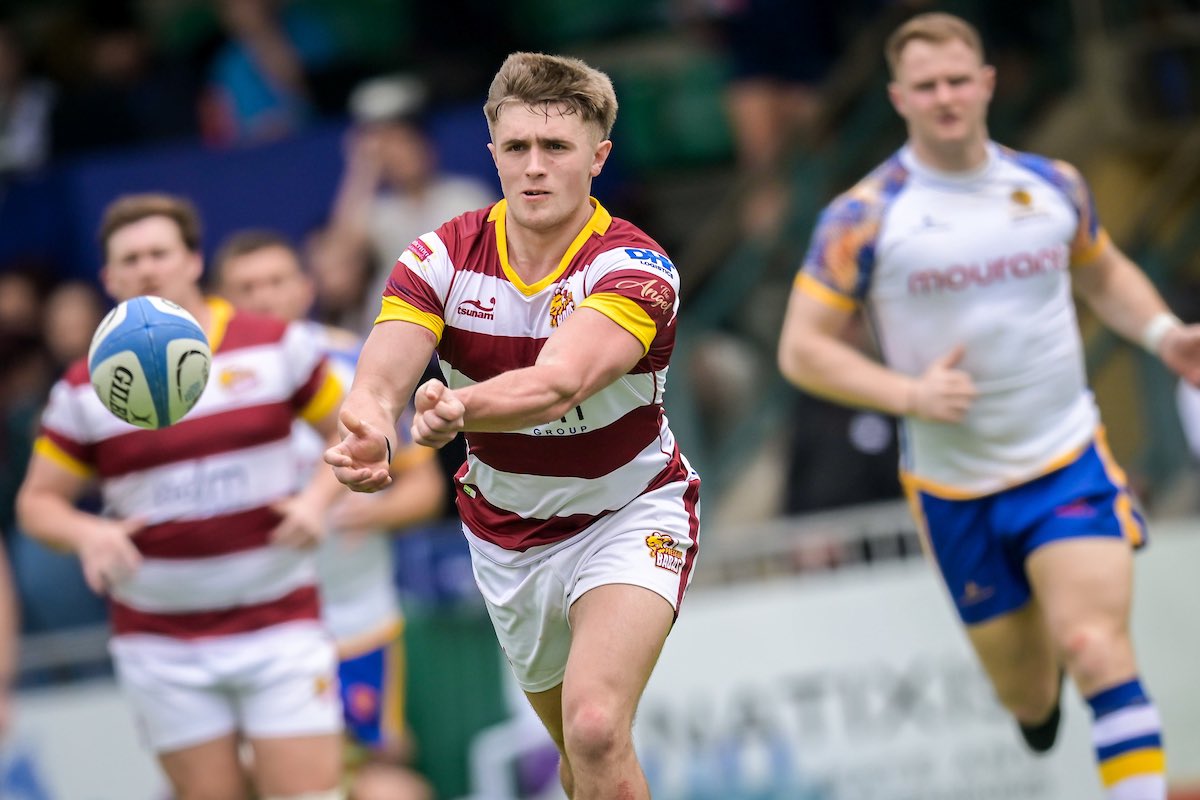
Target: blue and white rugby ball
x: 149, y: 362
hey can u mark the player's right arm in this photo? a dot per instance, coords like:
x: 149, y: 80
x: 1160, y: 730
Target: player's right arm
x: 46, y: 511
x: 813, y: 356
x: 392, y: 361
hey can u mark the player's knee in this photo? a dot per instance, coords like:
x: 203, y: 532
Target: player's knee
x: 1091, y: 651
x: 329, y: 794
x: 593, y: 732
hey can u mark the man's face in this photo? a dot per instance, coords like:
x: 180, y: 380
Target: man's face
x: 546, y: 160
x: 267, y: 281
x: 942, y: 91
x: 150, y: 257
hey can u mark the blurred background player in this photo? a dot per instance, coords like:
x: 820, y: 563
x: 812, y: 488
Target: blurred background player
x: 205, y: 549
x: 964, y: 254
x: 261, y: 271
x: 555, y: 322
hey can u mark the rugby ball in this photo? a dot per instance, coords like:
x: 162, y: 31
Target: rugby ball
x: 149, y: 362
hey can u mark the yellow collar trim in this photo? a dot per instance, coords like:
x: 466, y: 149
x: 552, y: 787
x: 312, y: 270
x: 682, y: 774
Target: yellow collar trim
x: 598, y: 223
x: 220, y: 310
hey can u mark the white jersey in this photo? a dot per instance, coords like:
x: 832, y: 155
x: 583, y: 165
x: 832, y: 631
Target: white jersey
x: 983, y: 260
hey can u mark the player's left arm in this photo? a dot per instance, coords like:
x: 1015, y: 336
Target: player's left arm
x: 586, y: 353
x: 1125, y: 300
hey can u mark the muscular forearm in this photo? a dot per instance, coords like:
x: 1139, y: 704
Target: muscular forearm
x: 833, y: 369
x: 518, y: 399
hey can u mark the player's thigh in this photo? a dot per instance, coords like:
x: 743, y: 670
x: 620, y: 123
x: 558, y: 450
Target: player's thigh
x: 618, y: 631
x: 548, y: 707
x: 176, y: 695
x: 292, y: 765
x: 1019, y: 658
x: 210, y: 770
x: 1085, y: 587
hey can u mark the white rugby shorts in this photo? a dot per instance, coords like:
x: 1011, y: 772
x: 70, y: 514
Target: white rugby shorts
x: 652, y: 543
x: 275, y: 682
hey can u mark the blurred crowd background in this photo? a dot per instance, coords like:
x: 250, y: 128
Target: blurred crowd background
x: 353, y: 125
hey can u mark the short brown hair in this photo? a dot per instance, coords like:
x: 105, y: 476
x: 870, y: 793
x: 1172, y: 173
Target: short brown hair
x: 935, y: 27
x: 250, y: 240
x: 540, y: 79
x: 130, y: 208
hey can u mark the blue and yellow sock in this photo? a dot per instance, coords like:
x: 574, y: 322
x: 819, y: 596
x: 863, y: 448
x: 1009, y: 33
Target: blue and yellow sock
x: 1127, y: 734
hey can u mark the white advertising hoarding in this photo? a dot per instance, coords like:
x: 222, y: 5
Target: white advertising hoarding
x: 859, y: 685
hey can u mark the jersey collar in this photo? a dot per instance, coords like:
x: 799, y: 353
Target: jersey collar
x: 910, y: 161
x: 598, y: 223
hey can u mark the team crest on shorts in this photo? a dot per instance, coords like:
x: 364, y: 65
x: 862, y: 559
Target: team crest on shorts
x: 664, y: 552
x: 561, y: 305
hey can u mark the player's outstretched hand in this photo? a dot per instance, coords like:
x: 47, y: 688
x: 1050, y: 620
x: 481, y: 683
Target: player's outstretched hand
x: 440, y: 414
x: 360, y: 460
x: 943, y: 393
x: 107, y: 553
x: 1180, y: 352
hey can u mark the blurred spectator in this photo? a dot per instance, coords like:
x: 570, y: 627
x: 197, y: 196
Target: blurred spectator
x: 392, y: 191
x: 118, y: 91
x: 260, y: 82
x: 25, y: 105
x: 342, y: 272
x: 69, y: 318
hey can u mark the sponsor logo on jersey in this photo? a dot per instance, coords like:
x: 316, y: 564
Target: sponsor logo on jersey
x: 419, y: 249
x: 1021, y: 197
x: 477, y: 309
x: 238, y: 379
x: 657, y: 293
x: 651, y: 259
x: 664, y: 552
x: 1018, y: 266
x: 561, y: 305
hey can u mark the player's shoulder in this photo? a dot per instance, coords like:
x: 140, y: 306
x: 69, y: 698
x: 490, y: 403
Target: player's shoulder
x: 76, y: 373
x: 624, y: 242
x: 1055, y: 171
x: 248, y: 329
x: 871, y: 194
x: 464, y: 228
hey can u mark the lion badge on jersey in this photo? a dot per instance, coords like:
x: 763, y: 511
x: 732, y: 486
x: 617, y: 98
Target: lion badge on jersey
x: 664, y: 552
x: 561, y: 305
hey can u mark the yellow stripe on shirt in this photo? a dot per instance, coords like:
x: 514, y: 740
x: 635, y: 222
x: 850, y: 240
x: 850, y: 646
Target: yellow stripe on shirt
x: 626, y: 313
x: 394, y: 308
x: 325, y: 401
x: 811, y: 286
x: 45, y: 446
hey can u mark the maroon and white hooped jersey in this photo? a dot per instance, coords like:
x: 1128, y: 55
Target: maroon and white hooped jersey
x: 546, y: 483
x: 206, y: 484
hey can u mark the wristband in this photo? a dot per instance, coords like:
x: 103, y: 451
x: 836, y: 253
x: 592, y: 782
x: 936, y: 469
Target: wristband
x: 388, y: 442
x: 1156, y: 330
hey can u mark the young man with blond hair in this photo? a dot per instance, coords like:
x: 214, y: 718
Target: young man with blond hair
x: 964, y: 255
x: 555, y: 323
